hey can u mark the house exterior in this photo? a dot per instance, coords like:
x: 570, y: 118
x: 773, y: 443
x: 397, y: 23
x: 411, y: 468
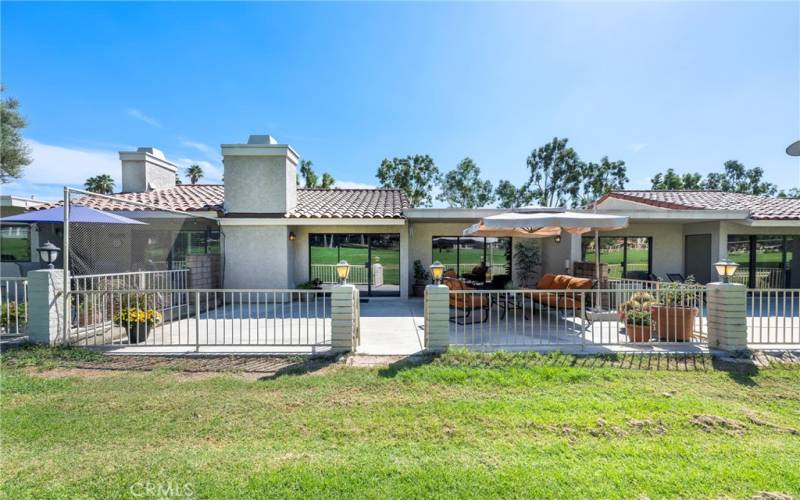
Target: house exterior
x: 272, y: 234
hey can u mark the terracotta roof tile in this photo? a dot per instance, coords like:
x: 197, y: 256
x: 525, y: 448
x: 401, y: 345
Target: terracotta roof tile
x: 311, y: 203
x: 760, y: 207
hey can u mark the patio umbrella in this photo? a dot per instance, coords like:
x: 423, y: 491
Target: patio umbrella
x: 77, y: 213
x: 540, y: 223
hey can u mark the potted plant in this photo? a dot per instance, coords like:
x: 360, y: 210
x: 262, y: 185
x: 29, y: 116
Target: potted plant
x: 312, y: 284
x: 638, y: 324
x: 675, y: 310
x: 138, y: 322
x: 638, y: 300
x: 421, y: 278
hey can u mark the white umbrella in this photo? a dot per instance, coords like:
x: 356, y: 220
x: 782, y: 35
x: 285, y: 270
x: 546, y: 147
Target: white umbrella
x: 548, y: 222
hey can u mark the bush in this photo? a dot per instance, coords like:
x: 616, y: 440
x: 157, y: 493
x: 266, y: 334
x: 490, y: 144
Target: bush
x: 12, y: 314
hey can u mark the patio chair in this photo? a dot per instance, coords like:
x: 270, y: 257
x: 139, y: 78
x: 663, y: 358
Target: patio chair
x: 466, y: 303
x: 563, y: 300
x: 676, y: 277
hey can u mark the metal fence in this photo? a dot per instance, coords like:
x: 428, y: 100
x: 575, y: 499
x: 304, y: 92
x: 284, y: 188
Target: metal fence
x: 13, y: 305
x: 773, y: 316
x: 201, y: 318
x: 578, y: 317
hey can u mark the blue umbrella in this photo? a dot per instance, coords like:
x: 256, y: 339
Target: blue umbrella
x: 77, y: 213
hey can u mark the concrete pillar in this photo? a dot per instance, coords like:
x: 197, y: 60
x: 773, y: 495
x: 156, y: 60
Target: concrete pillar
x: 45, y: 306
x: 727, y: 316
x: 344, y: 308
x: 437, y: 318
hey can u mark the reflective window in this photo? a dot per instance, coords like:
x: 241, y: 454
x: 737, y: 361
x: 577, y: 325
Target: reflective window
x: 15, y: 243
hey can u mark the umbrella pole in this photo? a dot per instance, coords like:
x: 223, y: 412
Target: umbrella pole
x: 597, y: 305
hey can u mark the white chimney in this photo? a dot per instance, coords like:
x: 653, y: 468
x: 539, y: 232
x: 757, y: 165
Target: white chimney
x: 260, y: 176
x: 146, y: 169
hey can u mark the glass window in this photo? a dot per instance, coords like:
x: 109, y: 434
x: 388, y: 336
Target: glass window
x: 15, y: 243
x: 627, y: 256
x: 476, y: 259
x: 765, y: 261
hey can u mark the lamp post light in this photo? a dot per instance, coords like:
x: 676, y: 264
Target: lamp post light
x: 342, y: 270
x: 725, y: 269
x: 437, y: 269
x: 48, y: 253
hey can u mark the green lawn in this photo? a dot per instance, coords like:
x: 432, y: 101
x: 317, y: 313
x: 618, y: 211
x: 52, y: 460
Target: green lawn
x: 463, y: 425
x: 390, y: 259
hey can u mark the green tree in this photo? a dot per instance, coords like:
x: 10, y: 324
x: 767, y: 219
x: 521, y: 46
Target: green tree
x: 791, y: 193
x: 601, y: 178
x: 101, y: 184
x: 414, y: 175
x: 510, y: 196
x: 194, y: 173
x: 673, y: 180
x: 310, y: 178
x: 555, y: 174
x: 463, y: 187
x: 738, y: 179
x: 14, y: 153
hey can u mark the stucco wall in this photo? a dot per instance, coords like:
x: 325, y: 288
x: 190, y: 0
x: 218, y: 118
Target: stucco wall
x: 259, y: 184
x: 258, y: 257
x: 300, y: 250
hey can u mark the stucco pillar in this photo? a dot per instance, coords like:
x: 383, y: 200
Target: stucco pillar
x: 727, y: 316
x: 45, y: 306
x: 437, y: 318
x: 344, y: 324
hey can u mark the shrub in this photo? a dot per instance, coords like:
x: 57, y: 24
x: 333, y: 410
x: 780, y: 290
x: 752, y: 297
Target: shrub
x: 12, y: 314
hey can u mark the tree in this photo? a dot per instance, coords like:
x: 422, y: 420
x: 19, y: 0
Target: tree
x: 791, y: 193
x: 14, y: 153
x: 738, y: 179
x: 414, y: 175
x: 509, y: 196
x: 462, y: 187
x: 310, y: 178
x: 556, y: 172
x: 101, y: 184
x: 601, y: 178
x: 672, y: 180
x: 194, y: 173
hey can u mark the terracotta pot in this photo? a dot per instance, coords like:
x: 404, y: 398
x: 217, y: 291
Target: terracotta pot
x: 639, y: 333
x: 138, y: 332
x: 674, y: 323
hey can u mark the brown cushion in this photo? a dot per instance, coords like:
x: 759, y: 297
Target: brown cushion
x: 545, y: 281
x: 453, y: 284
x: 560, y: 282
x: 579, y: 284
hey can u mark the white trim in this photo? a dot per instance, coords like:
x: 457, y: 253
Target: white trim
x: 287, y: 221
x: 444, y: 214
x: 769, y: 223
x: 681, y: 215
x: 263, y: 150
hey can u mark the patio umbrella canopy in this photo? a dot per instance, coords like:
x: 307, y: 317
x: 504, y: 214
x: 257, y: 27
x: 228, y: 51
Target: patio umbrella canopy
x: 77, y: 214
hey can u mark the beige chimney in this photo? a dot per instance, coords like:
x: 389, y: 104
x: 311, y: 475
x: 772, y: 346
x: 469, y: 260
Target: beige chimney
x: 146, y: 169
x: 260, y: 176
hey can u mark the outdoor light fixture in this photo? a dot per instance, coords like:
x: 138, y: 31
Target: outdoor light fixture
x: 725, y: 269
x: 557, y: 238
x: 48, y: 253
x: 292, y: 236
x: 437, y: 269
x: 342, y: 270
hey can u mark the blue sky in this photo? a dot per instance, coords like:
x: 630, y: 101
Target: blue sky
x: 659, y: 85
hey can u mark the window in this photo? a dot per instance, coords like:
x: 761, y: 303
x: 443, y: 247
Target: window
x: 476, y: 259
x: 765, y: 261
x: 626, y: 256
x: 15, y: 243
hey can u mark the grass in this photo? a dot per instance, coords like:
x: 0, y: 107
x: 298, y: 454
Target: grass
x: 511, y: 425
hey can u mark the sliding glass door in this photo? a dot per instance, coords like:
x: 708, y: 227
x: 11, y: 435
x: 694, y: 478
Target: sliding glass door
x: 765, y: 261
x: 374, y: 261
x: 626, y: 256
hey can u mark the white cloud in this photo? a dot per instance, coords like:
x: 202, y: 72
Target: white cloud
x: 352, y: 185
x: 135, y: 113
x: 63, y: 165
x: 637, y: 146
x: 210, y: 153
x: 211, y: 173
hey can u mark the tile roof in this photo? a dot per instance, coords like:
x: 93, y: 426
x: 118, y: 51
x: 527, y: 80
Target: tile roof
x: 311, y: 203
x: 760, y: 207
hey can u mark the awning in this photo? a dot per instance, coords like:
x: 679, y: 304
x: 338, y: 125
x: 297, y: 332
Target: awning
x: 77, y: 214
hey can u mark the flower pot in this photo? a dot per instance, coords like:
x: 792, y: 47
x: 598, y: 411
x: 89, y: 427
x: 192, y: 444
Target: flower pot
x: 419, y: 289
x: 638, y: 333
x: 674, y: 323
x: 138, y: 332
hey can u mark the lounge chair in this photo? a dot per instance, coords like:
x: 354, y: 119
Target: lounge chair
x: 466, y: 303
x: 561, y: 298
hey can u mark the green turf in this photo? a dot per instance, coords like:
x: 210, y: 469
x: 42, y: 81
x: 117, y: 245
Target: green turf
x: 465, y: 425
x: 390, y: 259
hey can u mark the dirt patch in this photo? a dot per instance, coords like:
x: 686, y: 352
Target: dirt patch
x: 714, y: 423
x: 647, y: 426
x: 756, y: 420
x: 773, y: 495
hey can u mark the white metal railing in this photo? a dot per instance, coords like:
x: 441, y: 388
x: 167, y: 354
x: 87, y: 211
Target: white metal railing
x: 766, y: 277
x: 491, y: 270
x: 359, y: 275
x: 13, y: 305
x: 773, y: 316
x: 279, y: 317
x: 139, y: 280
x: 562, y: 317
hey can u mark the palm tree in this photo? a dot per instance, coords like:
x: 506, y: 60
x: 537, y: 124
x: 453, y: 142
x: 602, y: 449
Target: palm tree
x: 194, y: 173
x: 101, y: 184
